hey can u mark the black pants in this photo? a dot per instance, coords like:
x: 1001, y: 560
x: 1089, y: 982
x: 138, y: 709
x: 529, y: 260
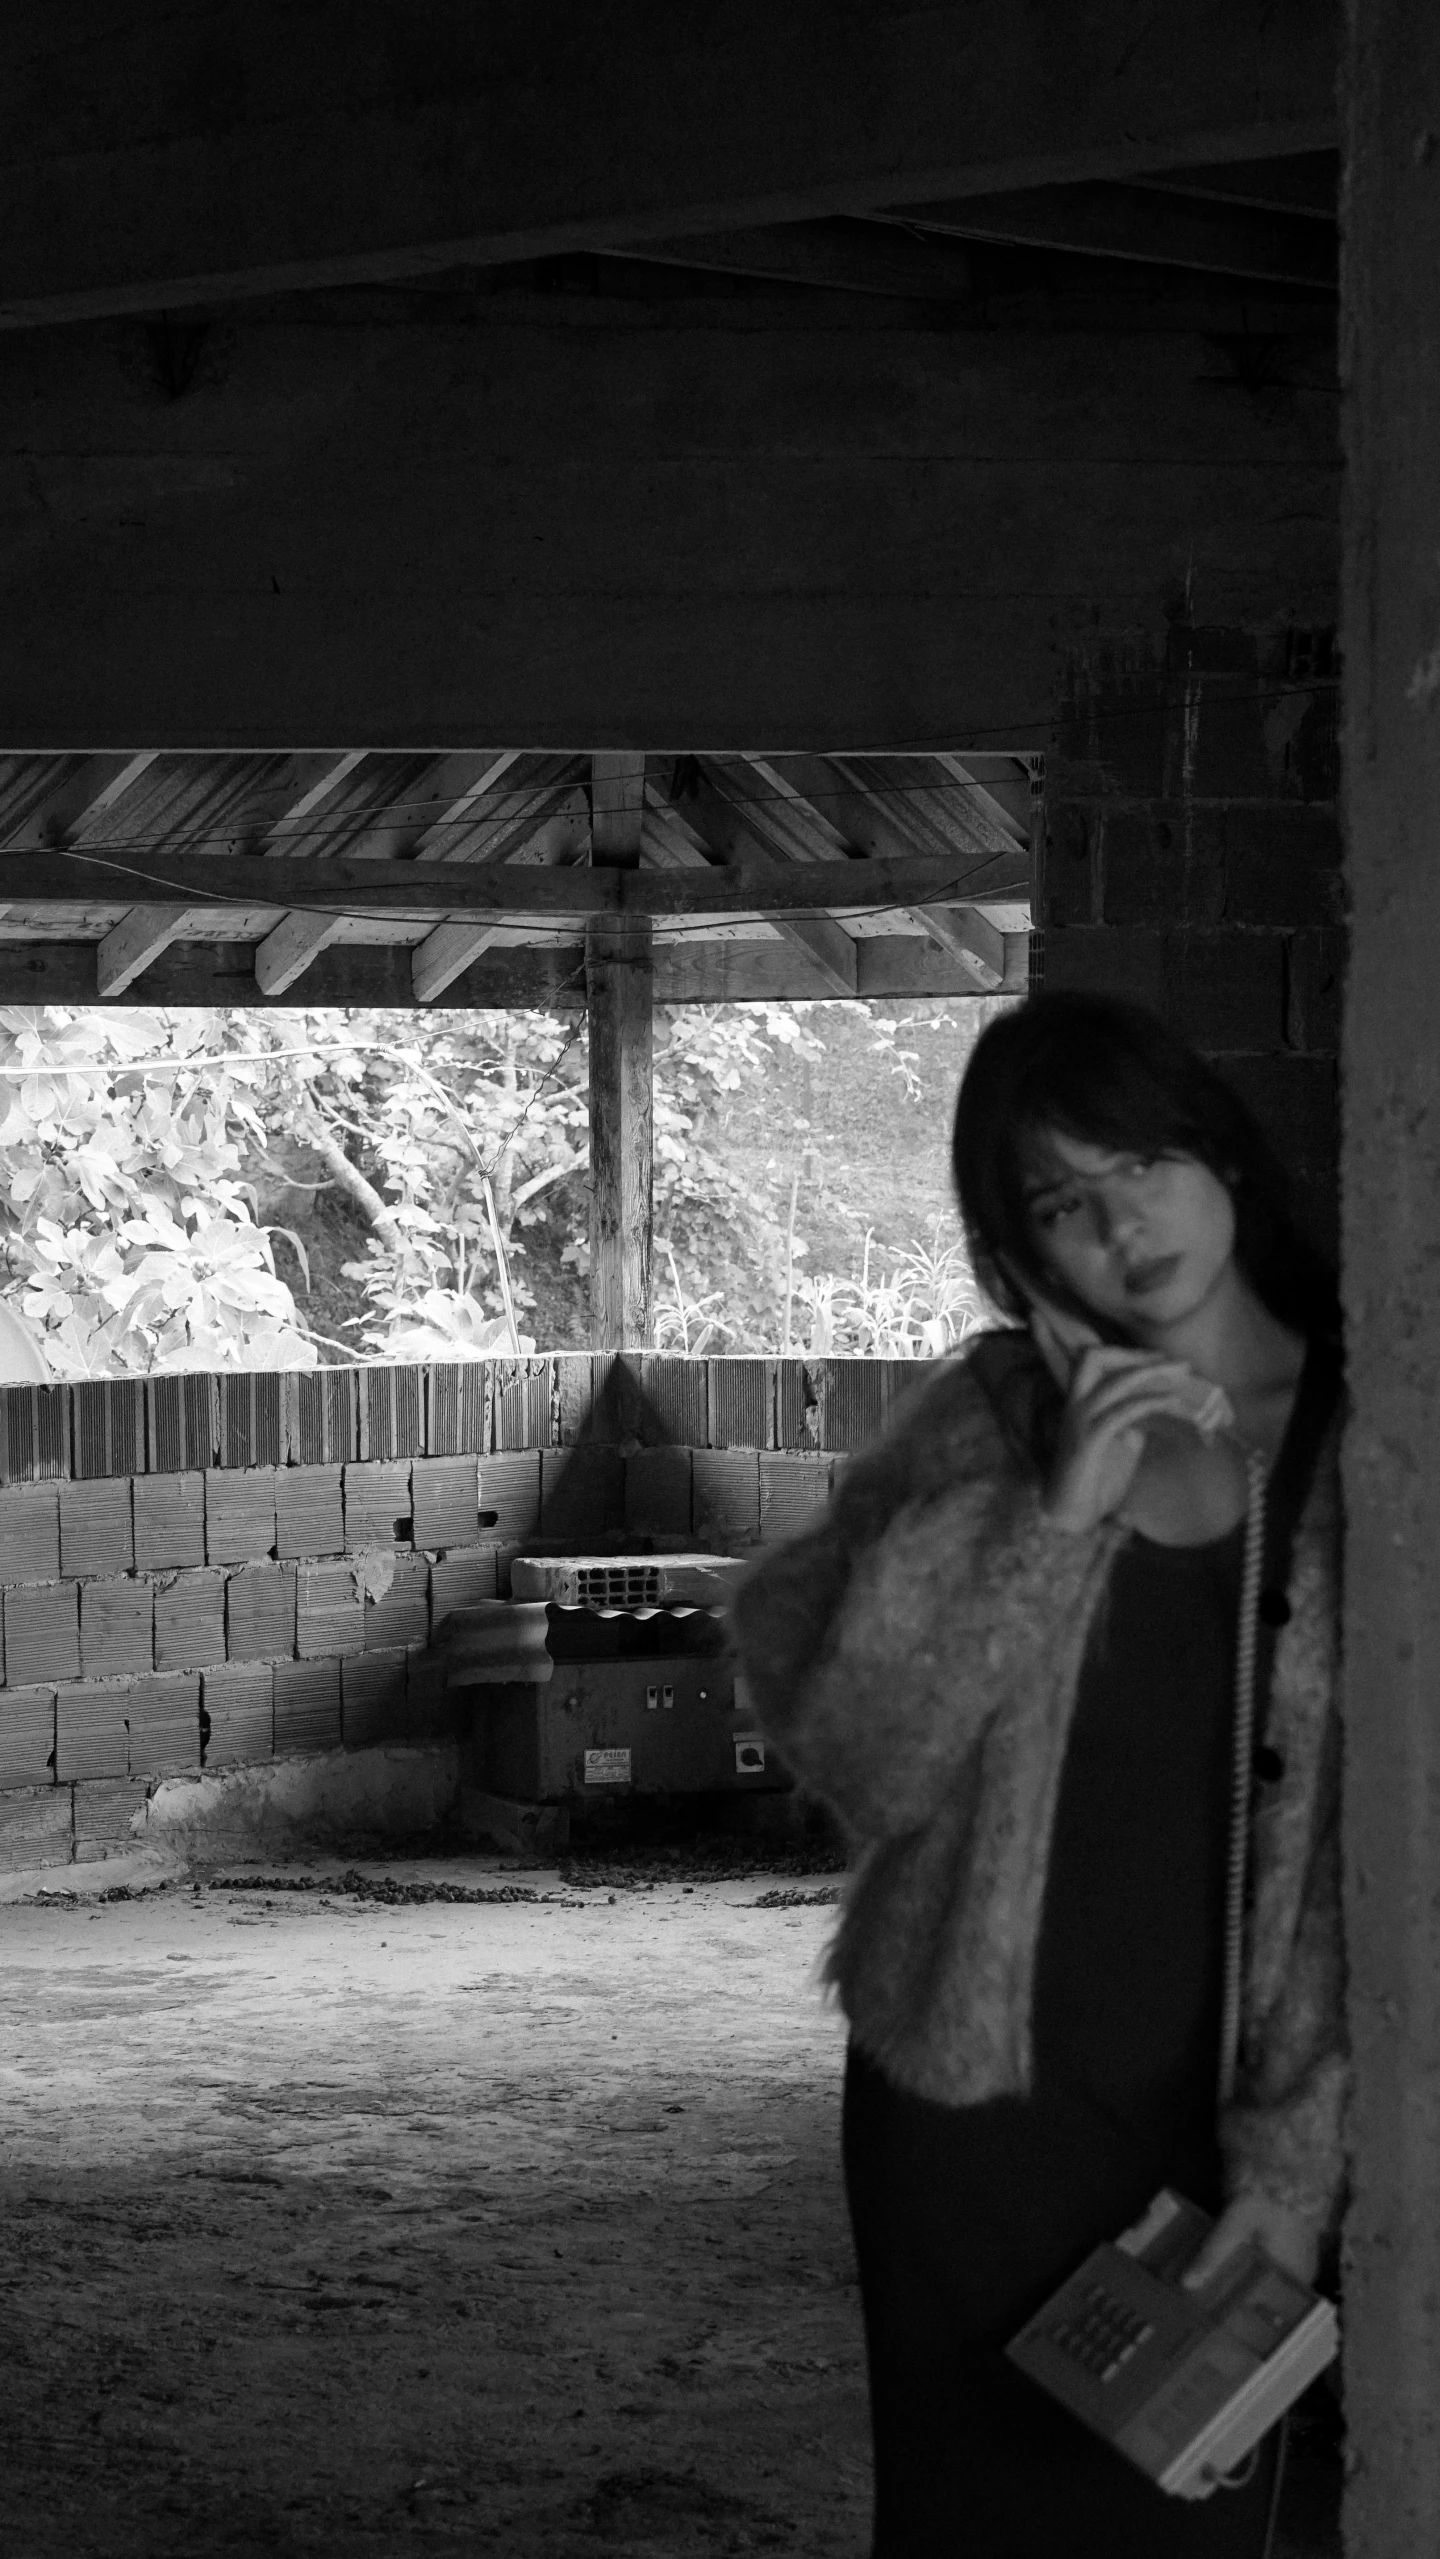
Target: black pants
x: 965, y: 2220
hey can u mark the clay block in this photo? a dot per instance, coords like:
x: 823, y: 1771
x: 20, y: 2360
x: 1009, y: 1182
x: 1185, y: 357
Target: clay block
x: 392, y: 1412
x: 575, y: 1395
x: 796, y: 1406
x: 460, y: 1581
x: 676, y: 1392
x: 402, y: 1615
x: 27, y: 1736
x: 96, y: 1533
x: 794, y: 1489
x: 105, y: 1810
x: 658, y: 1491
x: 377, y: 1505
x: 309, y: 1514
x: 42, y: 1632
x: 36, y: 1829
x: 510, y: 1496
x: 726, y: 1498
x: 251, y: 1419
x: 851, y: 1401
x: 307, y: 1707
x: 190, y: 1621
x: 582, y: 1491
x: 445, y: 1502
x: 35, y: 1441
x: 184, y: 1422
x: 457, y: 1407
x: 742, y: 1403
x: 322, y: 1416
x: 116, y: 1628
x: 165, y: 1723
x: 169, y: 1521
x: 373, y: 1698
x: 522, y: 1404
x: 109, y: 1424
x: 92, y: 1730
x: 1229, y: 990
x: 30, y: 1534
x: 431, y: 1713
x: 329, y: 1611
x: 260, y: 1613
x: 239, y: 1514
x: 237, y: 1720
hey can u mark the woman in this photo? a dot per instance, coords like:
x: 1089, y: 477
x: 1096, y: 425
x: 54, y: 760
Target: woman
x: 1007, y: 1660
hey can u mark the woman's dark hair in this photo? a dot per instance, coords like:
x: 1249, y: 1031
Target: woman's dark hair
x: 1111, y: 1074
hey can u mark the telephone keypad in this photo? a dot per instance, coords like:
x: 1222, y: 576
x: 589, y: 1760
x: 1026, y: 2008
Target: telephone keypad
x: 1100, y: 2333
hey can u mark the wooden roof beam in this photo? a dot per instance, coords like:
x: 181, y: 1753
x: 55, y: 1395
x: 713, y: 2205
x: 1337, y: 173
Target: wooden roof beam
x: 1139, y: 223
x: 464, y: 138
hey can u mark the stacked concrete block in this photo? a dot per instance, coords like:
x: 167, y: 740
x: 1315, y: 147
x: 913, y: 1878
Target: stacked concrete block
x: 239, y: 1514
x: 659, y: 1492
x: 92, y: 1730
x: 190, y: 1620
x: 37, y: 1827
x: 307, y: 1707
x: 164, y: 1719
x: 460, y: 1581
x: 116, y: 1627
x: 42, y: 1632
x: 309, y: 1511
x: 794, y: 1488
x: 27, y: 1736
x: 726, y: 1498
x: 96, y: 1527
x: 330, y: 1610
x: 401, y: 1614
x: 237, y: 1719
x: 373, y: 1698
x: 260, y: 1613
x: 30, y: 1533
x: 377, y: 1505
x: 109, y: 1815
x: 445, y: 1502
x: 169, y: 1522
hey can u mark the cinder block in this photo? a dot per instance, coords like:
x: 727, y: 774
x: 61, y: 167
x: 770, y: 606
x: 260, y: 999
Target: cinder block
x: 445, y: 1501
x: 742, y: 1403
x: 330, y: 1611
x: 260, y: 1613
x: 237, y: 1723
x: 794, y: 1488
x: 92, y: 1730
x: 42, y: 1632
x: 522, y: 1409
x: 377, y: 1505
x: 30, y: 1533
x: 373, y: 1698
x: 307, y: 1707
x: 658, y: 1491
x: 116, y: 1623
x: 1156, y: 865
x: 1100, y: 961
x: 461, y: 1581
x: 582, y: 1491
x: 726, y: 1498
x: 36, y: 1828
x: 96, y: 1534
x: 34, y: 1432
x: 457, y: 1400
x: 431, y: 1713
x: 402, y: 1615
x: 109, y: 1426
x: 252, y: 1421
x: 1229, y: 990
x: 510, y: 1496
x: 169, y: 1521
x: 321, y: 1422
x: 27, y: 1737
x: 105, y: 1817
x: 165, y: 1723
x: 392, y: 1411
x: 190, y: 1620
x: 309, y: 1516
x: 574, y: 1395
x: 239, y: 1514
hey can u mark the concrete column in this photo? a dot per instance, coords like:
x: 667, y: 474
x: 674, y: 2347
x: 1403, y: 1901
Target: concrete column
x: 1391, y: 1230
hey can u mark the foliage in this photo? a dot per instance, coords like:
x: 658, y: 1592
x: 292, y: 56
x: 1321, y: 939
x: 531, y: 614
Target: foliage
x: 127, y: 1234
x: 926, y: 1305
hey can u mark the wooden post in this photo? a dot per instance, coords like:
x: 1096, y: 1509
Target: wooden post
x: 619, y: 983
x: 1391, y: 766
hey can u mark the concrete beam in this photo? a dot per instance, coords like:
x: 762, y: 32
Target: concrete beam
x: 1391, y: 1194
x: 149, y: 164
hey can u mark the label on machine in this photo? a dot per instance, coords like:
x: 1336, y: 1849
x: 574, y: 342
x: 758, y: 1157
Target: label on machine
x: 607, y: 1768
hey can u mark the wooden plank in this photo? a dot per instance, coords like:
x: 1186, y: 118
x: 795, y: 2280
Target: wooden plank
x: 445, y: 955
x: 751, y: 885
x: 286, y: 954
x: 961, y: 930
x: 1126, y: 222
x: 838, y: 256
x: 131, y: 945
x: 619, y: 979
x: 455, y: 142
x: 617, y: 799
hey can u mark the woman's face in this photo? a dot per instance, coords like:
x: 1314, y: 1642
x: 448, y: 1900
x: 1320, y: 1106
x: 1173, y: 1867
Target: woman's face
x: 1143, y: 1243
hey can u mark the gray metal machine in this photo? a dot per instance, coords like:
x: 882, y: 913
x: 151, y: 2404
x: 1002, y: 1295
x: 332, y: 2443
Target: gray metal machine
x: 606, y: 1676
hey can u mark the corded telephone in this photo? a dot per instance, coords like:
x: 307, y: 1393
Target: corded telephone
x: 1183, y: 2383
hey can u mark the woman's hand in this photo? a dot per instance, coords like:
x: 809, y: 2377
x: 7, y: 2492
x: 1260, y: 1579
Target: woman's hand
x: 1291, y: 2241
x: 1113, y: 1394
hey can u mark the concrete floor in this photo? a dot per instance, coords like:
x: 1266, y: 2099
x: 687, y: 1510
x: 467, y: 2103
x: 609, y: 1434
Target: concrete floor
x: 332, y: 2227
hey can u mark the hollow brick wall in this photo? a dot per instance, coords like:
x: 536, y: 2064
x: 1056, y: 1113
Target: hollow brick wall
x: 188, y: 1565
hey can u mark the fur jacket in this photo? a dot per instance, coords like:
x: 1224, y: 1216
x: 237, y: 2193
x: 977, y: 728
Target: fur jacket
x: 915, y: 1660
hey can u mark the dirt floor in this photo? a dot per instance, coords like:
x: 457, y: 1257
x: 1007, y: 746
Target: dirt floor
x: 335, y: 2223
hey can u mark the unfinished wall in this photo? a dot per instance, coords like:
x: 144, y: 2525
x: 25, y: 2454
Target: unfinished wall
x: 212, y: 1573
